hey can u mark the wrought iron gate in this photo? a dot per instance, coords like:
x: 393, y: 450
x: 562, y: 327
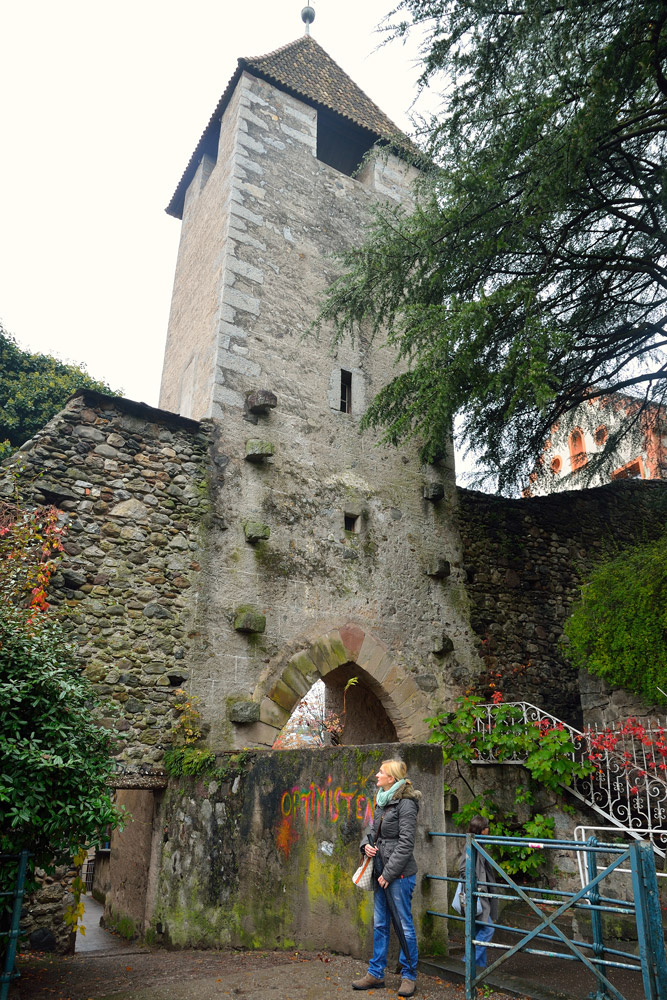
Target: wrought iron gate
x: 595, y: 955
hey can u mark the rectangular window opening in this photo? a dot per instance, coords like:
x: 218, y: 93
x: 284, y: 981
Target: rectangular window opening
x: 352, y: 522
x: 341, y: 144
x: 345, y: 391
x: 633, y: 470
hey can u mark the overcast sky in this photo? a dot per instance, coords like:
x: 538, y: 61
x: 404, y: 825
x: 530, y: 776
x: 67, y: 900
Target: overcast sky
x: 102, y: 106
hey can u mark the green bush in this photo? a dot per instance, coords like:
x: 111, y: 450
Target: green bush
x: 618, y: 630
x: 54, y: 759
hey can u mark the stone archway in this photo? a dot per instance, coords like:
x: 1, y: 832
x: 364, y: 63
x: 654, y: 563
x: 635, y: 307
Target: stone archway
x: 403, y: 701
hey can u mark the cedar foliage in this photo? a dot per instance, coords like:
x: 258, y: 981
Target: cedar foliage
x: 532, y: 273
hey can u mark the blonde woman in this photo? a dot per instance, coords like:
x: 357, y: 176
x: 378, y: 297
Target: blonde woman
x: 390, y: 843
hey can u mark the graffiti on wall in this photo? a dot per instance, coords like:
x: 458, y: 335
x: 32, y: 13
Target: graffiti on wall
x: 315, y: 803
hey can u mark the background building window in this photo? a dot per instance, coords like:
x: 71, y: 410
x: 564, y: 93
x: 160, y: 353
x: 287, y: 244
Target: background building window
x: 633, y: 470
x: 556, y: 465
x: 577, y: 449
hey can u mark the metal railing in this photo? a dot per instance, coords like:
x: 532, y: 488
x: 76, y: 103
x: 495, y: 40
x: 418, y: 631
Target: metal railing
x: 628, y: 786
x: 596, y: 955
x: 8, y: 949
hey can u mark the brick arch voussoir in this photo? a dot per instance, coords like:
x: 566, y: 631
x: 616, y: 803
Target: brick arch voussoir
x: 402, y: 699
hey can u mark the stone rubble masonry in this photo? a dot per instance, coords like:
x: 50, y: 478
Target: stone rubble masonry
x: 43, y: 925
x: 261, y: 853
x: 133, y: 486
x: 153, y: 574
x: 256, y: 252
x: 525, y: 561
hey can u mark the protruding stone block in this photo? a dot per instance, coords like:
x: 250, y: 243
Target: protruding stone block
x: 243, y: 712
x: 434, y: 492
x: 258, y: 451
x: 442, y: 644
x: 255, y: 531
x: 439, y: 568
x: 249, y: 619
x: 261, y: 401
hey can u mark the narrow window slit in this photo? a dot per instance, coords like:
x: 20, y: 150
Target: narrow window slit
x: 345, y: 391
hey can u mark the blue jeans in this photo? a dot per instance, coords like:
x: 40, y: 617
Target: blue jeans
x: 401, y: 890
x: 483, y: 932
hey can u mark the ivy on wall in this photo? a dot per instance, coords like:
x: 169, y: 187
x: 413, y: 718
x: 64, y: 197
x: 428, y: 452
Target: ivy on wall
x: 475, y: 732
x: 618, y: 630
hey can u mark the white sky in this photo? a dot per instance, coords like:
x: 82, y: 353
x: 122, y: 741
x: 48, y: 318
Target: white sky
x: 102, y: 106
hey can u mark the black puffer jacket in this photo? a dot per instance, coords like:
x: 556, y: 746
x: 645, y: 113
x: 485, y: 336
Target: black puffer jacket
x: 397, y: 833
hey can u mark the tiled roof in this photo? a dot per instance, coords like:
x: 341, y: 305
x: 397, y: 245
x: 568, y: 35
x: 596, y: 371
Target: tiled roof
x: 306, y: 70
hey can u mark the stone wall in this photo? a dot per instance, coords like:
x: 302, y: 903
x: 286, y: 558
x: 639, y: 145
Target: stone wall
x: 326, y: 528
x: 43, y: 924
x: 133, y: 484
x: 261, y: 853
x: 525, y: 560
x: 162, y: 591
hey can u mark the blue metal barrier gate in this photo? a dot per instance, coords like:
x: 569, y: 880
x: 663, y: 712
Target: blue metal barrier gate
x: 16, y: 894
x: 651, y: 962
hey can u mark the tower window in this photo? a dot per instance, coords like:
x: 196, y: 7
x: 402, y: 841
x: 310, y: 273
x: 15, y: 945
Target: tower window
x: 340, y: 143
x: 352, y: 522
x: 345, y: 391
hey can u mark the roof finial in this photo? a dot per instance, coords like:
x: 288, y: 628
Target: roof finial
x: 308, y: 16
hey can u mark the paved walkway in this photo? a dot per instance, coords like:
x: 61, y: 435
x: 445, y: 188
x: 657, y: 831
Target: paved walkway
x: 96, y: 938
x: 145, y: 974
x: 105, y: 967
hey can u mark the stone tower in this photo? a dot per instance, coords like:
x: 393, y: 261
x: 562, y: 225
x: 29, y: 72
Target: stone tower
x: 341, y: 550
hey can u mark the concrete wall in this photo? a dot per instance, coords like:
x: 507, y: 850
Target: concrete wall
x: 101, y: 876
x: 261, y: 853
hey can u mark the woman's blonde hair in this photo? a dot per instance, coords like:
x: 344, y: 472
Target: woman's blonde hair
x: 397, y: 769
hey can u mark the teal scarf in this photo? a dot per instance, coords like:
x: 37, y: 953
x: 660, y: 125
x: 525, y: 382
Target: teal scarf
x: 385, y: 794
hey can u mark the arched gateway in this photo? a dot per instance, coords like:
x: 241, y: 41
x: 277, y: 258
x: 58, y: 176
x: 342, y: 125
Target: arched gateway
x: 380, y: 672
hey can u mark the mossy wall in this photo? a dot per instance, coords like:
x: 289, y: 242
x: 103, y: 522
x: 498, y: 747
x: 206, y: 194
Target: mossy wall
x: 261, y: 854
